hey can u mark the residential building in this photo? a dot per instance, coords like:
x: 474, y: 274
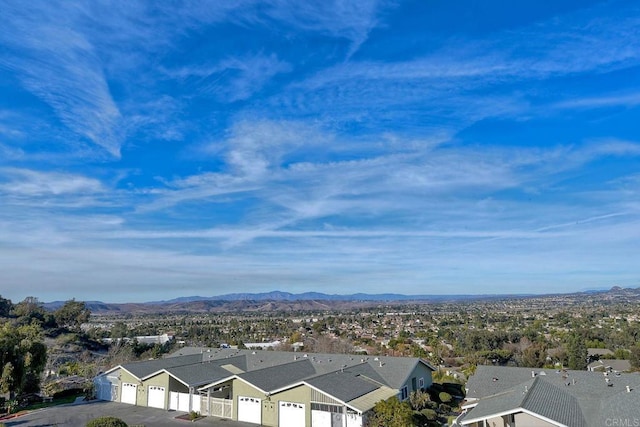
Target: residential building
x: 517, y: 397
x: 270, y: 388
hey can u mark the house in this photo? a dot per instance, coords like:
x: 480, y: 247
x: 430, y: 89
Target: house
x: 515, y: 397
x: 266, y: 387
x: 610, y: 365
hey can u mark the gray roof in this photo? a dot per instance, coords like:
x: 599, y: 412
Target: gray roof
x: 554, y: 403
x: 344, y: 376
x: 619, y: 365
x: 571, y: 398
x: 199, y: 374
x: 276, y: 377
x: 147, y: 367
x: 344, y: 385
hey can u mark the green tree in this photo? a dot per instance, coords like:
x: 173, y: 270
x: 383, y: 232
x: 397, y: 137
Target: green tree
x: 5, y: 307
x: 119, y: 330
x: 23, y: 356
x: 577, y: 353
x: 28, y: 310
x: 72, y: 314
x: 391, y: 413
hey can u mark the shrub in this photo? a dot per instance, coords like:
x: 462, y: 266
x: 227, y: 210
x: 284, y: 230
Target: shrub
x: 444, y: 397
x: 107, y: 422
x: 429, y: 414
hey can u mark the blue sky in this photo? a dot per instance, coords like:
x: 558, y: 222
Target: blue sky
x: 151, y: 150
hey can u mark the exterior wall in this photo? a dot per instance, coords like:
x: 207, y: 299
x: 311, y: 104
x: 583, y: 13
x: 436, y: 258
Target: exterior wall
x: 126, y: 377
x: 240, y: 388
x: 301, y: 394
x: 527, y: 420
x: 420, y: 371
x: 175, y: 385
x: 160, y: 380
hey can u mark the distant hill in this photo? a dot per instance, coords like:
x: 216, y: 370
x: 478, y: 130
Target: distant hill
x: 286, y: 301
x: 318, y: 296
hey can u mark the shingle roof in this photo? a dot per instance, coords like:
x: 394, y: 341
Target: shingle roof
x: 199, y: 374
x: 571, y: 398
x: 275, y: 377
x: 148, y: 367
x: 343, y: 385
x: 557, y: 404
x: 344, y: 376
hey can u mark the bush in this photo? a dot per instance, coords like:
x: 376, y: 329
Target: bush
x: 107, y: 422
x: 429, y: 414
x: 444, y: 397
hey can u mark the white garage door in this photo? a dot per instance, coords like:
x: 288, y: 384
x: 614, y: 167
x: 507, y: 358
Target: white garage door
x: 128, y: 393
x: 249, y: 410
x: 291, y: 414
x: 156, y: 397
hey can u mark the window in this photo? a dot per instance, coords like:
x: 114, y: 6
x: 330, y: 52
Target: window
x: 421, y: 383
x: 404, y: 393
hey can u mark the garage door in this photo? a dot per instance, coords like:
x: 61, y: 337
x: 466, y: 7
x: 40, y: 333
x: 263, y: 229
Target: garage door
x: 129, y: 393
x: 249, y: 410
x: 156, y: 397
x: 291, y: 414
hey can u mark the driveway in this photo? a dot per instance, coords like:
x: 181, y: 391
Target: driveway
x: 79, y: 414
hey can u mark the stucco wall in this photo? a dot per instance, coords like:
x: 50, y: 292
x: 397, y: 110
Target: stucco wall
x: 160, y: 380
x: 300, y: 394
x: 240, y: 388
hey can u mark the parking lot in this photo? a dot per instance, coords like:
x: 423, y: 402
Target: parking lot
x: 79, y: 414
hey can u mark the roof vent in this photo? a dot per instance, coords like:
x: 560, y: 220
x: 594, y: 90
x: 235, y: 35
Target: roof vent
x: 533, y: 374
x: 628, y: 389
x: 381, y: 364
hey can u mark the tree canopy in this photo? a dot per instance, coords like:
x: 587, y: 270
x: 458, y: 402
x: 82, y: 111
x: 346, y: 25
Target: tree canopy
x: 72, y: 314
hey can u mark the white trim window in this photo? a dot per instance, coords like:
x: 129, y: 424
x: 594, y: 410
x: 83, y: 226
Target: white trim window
x: 421, y: 383
x: 404, y: 393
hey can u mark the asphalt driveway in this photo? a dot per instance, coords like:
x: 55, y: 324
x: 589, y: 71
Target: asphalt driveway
x: 79, y: 414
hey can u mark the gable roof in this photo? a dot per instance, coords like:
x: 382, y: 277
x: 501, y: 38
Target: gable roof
x: 344, y: 377
x: 145, y: 368
x: 275, y: 377
x: 345, y: 385
x: 568, y: 398
x: 198, y: 374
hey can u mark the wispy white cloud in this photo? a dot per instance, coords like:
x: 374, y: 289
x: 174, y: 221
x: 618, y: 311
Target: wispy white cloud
x: 24, y: 182
x: 60, y: 65
x: 350, y: 20
x: 615, y: 100
x: 234, y: 78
